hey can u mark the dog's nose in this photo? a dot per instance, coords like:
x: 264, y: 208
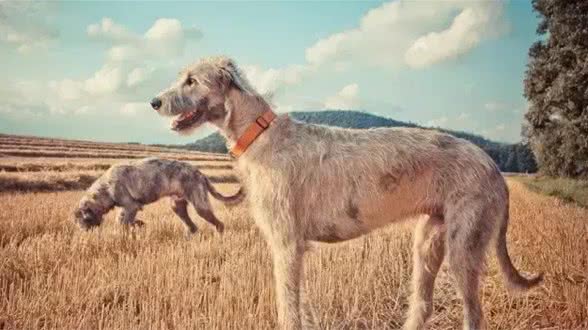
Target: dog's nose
x: 156, y: 103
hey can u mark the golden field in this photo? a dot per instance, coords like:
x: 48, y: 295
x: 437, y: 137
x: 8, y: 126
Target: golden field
x: 54, y: 275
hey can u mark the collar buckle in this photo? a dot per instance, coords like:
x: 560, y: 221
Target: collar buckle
x: 262, y: 122
x: 251, y: 133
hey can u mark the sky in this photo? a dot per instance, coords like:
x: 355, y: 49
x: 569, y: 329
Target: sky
x: 87, y: 70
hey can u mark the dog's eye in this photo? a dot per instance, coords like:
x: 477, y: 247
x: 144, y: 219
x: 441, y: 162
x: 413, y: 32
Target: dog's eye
x: 191, y: 81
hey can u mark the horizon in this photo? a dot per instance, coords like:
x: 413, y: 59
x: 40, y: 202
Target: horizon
x: 473, y: 134
x: 87, y: 71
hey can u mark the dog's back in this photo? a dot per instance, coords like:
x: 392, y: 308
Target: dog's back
x: 150, y: 179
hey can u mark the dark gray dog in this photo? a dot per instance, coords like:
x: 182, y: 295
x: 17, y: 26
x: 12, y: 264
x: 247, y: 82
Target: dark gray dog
x: 132, y: 185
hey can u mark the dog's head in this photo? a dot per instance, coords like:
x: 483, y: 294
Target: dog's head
x: 200, y: 93
x: 86, y: 217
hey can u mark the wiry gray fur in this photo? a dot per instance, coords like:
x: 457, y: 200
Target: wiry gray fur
x: 316, y: 183
x: 132, y: 185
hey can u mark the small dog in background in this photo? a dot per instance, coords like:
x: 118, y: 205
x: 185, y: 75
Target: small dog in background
x: 131, y: 186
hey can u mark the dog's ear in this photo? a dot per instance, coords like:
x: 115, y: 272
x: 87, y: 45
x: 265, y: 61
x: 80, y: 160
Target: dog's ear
x: 231, y: 76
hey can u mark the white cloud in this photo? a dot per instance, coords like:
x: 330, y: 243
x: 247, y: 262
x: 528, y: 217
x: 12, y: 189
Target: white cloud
x: 327, y: 48
x: 105, y: 81
x: 412, y: 33
x: 27, y: 25
x: 18, y: 112
x: 347, y: 98
x: 396, y: 34
x: 24, y: 94
x: 6, y: 109
x: 109, y: 30
x: 468, y: 29
x: 165, y: 29
x: 134, y: 108
x: 269, y: 81
x: 138, y: 75
x: 388, y: 36
x: 83, y: 110
x: 342, y: 66
x: 123, y: 53
x: 128, y: 72
x: 165, y: 38
x: 67, y: 89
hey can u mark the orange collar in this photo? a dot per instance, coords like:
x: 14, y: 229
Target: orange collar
x: 252, y: 132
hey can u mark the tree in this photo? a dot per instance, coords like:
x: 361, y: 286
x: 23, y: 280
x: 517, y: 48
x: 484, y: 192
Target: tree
x: 556, y: 85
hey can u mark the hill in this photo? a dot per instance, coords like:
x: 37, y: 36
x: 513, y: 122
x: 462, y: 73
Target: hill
x: 509, y: 157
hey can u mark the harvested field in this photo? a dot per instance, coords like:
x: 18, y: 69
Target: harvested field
x: 55, y: 276
x: 31, y: 165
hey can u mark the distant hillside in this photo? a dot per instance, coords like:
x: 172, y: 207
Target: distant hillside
x: 348, y: 119
x: 509, y: 157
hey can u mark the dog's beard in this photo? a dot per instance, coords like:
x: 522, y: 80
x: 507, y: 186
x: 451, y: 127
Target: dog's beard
x: 187, y: 120
x: 190, y: 118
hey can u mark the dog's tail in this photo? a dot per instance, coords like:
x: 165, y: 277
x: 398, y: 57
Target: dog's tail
x: 234, y: 199
x: 513, y: 277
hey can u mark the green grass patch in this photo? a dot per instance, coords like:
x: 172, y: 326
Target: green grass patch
x: 569, y: 190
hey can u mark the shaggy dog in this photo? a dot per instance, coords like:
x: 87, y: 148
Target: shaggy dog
x: 130, y: 186
x: 314, y: 183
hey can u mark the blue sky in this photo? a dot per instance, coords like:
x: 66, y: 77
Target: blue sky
x: 86, y: 70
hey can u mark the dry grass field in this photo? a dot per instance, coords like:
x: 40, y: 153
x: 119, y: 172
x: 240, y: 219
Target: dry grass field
x: 53, y: 275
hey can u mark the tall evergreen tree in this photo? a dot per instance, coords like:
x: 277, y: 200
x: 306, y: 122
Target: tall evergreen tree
x: 556, y: 86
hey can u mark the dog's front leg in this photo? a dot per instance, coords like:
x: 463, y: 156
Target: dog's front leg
x: 127, y: 215
x: 288, y: 273
x: 306, y: 310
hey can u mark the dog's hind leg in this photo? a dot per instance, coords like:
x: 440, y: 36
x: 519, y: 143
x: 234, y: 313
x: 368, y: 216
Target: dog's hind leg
x: 428, y: 254
x: 179, y: 206
x: 201, y: 203
x: 469, y: 229
x: 206, y: 214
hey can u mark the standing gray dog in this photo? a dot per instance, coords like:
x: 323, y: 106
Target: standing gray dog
x: 132, y: 185
x: 315, y: 183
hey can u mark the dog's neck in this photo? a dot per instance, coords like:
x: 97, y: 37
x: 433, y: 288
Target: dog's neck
x: 243, y: 109
x: 98, y: 201
x: 89, y: 202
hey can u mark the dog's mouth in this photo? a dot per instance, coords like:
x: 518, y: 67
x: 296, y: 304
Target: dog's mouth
x: 186, y: 120
x: 88, y: 224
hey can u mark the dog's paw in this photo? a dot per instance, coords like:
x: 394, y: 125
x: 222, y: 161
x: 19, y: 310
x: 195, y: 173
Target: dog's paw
x: 220, y: 228
x: 138, y: 223
x: 190, y: 234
